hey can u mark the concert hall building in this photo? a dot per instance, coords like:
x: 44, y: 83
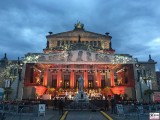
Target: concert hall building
x: 80, y: 52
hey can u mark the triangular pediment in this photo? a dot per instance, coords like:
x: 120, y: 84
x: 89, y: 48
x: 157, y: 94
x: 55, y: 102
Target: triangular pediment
x: 73, y: 33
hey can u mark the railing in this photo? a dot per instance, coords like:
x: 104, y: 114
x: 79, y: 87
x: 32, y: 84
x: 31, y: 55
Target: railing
x: 137, y: 112
x: 141, y: 109
x: 10, y: 111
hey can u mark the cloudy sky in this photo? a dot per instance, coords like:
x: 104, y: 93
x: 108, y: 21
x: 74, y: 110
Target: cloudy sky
x: 133, y: 24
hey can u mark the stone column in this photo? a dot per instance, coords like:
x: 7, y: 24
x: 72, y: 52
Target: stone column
x: 45, y: 77
x: 85, y: 78
x: 72, y: 77
x: 59, y: 78
x: 98, y: 81
x: 49, y: 83
x: 112, y: 77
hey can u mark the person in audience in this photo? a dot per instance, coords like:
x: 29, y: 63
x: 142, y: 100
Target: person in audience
x: 61, y: 105
x: 106, y: 104
x: 113, y: 105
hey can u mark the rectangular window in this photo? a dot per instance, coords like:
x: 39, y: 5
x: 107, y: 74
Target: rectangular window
x: 66, y: 84
x: 54, y: 81
x: 99, y: 44
x: 62, y: 42
x: 66, y: 77
x: 90, y: 84
x: 54, y: 77
x: 102, y: 81
x: 90, y: 77
x: 90, y: 81
x: 58, y: 43
x: 66, y: 81
x: 77, y: 76
x: 102, y: 77
x: 91, y: 43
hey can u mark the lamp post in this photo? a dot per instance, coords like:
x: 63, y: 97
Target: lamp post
x: 19, y: 76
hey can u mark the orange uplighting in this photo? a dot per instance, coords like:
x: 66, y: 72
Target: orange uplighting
x: 118, y: 90
x: 40, y: 90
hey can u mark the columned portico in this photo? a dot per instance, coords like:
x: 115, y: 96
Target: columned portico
x: 59, y: 78
x: 85, y: 78
x: 112, y: 77
x: 72, y: 78
x: 74, y: 53
x: 45, y: 77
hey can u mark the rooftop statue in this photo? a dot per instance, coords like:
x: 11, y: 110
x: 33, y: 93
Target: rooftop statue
x: 79, y: 25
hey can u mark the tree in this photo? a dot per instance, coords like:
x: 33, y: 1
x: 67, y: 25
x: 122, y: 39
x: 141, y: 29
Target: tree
x: 148, y: 92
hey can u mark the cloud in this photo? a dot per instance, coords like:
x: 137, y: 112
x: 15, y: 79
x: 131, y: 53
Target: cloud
x: 133, y: 25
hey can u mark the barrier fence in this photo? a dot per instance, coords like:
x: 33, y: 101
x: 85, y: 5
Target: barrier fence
x: 140, y: 109
x: 34, y: 110
x: 14, y: 110
x: 137, y: 112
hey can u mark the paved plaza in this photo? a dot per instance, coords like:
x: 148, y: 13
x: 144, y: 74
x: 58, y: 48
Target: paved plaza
x: 85, y: 115
x: 77, y: 115
x: 50, y: 115
x: 128, y: 116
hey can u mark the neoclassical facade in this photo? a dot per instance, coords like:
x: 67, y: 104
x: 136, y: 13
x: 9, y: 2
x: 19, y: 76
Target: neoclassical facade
x: 71, y: 54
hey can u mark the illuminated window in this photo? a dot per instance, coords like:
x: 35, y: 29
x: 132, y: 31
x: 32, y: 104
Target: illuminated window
x: 66, y: 81
x: 66, y: 84
x: 90, y: 81
x: 62, y: 43
x: 90, y: 84
x: 66, y: 77
x: 91, y: 43
x: 77, y: 76
x: 102, y: 81
x: 58, y: 43
x: 99, y: 44
x: 54, y: 81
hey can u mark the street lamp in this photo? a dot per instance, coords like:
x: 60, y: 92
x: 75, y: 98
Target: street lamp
x: 19, y: 76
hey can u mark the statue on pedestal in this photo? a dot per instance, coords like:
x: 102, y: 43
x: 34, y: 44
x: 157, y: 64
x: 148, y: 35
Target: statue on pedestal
x: 80, y: 84
x: 81, y: 96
